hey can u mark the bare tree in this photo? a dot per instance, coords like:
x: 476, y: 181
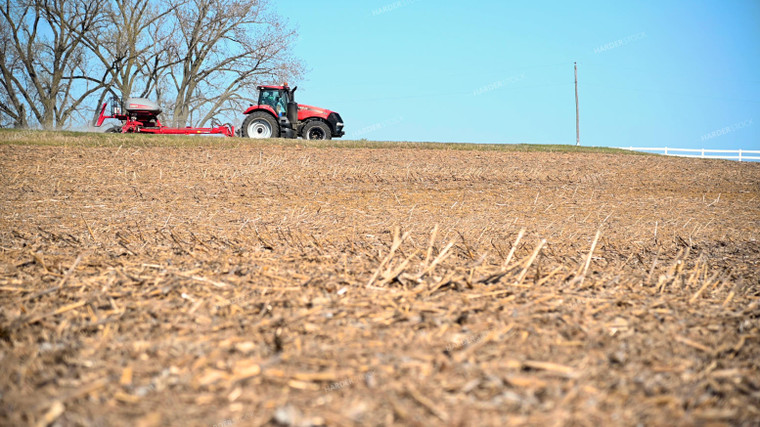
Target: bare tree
x: 43, y: 49
x: 204, y: 56
x: 13, y: 111
x: 223, y: 49
x: 131, y: 47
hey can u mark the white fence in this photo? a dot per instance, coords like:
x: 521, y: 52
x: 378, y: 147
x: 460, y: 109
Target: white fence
x: 740, y: 155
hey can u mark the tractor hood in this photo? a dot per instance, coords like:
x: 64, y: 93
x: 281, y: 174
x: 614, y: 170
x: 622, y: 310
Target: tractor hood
x: 308, y: 112
x: 314, y: 110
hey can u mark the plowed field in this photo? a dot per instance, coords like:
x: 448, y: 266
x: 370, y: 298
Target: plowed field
x: 284, y: 285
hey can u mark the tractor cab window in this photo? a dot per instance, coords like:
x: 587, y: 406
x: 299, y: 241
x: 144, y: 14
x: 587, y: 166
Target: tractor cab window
x: 276, y: 99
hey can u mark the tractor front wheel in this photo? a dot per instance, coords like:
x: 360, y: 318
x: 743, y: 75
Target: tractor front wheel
x: 260, y: 125
x: 316, y: 129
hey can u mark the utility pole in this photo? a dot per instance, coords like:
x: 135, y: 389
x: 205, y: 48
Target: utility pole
x: 577, y: 121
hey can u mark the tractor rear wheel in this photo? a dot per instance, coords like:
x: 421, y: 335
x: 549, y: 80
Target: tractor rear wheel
x: 316, y: 129
x: 113, y: 129
x: 260, y: 124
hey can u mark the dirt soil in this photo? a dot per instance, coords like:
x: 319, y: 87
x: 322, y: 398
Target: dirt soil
x: 292, y: 286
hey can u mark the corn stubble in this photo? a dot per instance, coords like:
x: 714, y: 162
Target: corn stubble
x: 274, y: 285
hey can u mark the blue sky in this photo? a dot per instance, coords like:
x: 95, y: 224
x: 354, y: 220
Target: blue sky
x: 650, y: 73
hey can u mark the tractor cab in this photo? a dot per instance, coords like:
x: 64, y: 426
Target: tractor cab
x: 277, y: 98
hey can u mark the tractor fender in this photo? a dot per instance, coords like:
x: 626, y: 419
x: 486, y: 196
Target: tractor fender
x: 266, y: 108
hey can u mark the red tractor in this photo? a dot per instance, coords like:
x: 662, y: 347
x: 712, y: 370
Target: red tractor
x: 277, y: 115
x: 140, y: 115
